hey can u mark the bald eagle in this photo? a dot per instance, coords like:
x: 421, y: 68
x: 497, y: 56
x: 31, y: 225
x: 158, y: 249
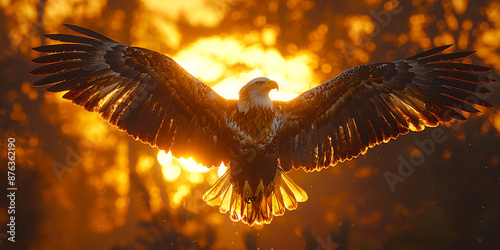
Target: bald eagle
x: 153, y: 99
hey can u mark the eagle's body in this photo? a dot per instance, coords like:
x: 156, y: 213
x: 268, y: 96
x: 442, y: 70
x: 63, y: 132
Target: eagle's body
x: 155, y: 100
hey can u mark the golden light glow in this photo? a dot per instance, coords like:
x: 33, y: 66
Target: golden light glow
x: 282, y: 96
x: 222, y: 169
x: 205, y: 14
x: 182, y: 191
x: 171, y: 173
x: 190, y: 165
x: 460, y: 6
x: 357, y: 26
x: 146, y: 33
x: 444, y: 38
x: 418, y: 23
x: 194, y: 62
x: 196, y: 178
x: 269, y: 36
x: 164, y: 159
x: 451, y: 20
x: 145, y: 163
x: 63, y: 10
x: 156, y: 201
x: 213, y: 59
x: 495, y: 120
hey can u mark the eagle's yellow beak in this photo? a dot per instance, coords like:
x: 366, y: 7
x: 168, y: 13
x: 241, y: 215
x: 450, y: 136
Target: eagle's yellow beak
x: 271, y: 85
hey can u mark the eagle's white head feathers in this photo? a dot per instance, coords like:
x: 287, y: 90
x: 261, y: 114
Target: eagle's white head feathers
x: 256, y: 94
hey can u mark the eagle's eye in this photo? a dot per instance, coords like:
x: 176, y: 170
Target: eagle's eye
x: 258, y: 83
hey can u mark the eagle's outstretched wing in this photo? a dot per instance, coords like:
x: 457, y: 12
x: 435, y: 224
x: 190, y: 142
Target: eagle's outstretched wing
x: 370, y: 104
x: 140, y: 91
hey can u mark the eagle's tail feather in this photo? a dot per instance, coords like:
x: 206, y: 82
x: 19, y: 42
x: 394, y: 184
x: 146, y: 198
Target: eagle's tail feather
x: 294, y: 192
x: 283, y: 194
x: 218, y: 191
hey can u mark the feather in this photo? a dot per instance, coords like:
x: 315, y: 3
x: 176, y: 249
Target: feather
x: 165, y: 134
x: 464, y: 76
x: 55, y: 48
x: 72, y: 39
x: 79, y: 90
x: 372, y: 103
x: 284, y: 160
x: 56, y: 68
x: 461, y: 67
x: 360, y: 126
x: 59, y: 57
x: 457, y: 104
x: 446, y: 57
x: 466, y: 96
x: 64, y: 85
x: 371, y: 111
x: 463, y: 85
x: 88, y: 32
x: 59, y: 77
x: 428, y: 53
x: 94, y: 70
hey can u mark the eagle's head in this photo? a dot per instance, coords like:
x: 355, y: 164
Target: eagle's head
x: 255, y: 94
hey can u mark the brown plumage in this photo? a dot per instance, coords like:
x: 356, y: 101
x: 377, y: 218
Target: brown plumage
x: 156, y: 101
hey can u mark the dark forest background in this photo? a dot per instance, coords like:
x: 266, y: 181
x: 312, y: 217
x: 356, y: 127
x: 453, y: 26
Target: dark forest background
x: 84, y: 185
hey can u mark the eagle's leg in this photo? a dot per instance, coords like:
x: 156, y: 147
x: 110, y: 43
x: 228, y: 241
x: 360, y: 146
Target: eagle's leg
x: 281, y: 193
